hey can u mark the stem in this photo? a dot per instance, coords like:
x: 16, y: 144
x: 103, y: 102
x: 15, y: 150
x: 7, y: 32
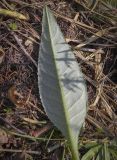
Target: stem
x: 19, y: 151
x: 74, y: 152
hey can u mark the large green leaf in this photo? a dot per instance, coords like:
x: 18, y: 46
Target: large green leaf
x: 61, y: 84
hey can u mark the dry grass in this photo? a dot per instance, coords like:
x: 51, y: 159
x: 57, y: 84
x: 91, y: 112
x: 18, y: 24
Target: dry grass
x: 92, y: 35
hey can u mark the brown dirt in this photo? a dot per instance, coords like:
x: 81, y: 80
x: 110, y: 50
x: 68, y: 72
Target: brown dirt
x: 21, y: 111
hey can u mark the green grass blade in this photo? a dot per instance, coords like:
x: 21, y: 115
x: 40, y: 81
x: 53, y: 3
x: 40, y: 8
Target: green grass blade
x: 91, y: 153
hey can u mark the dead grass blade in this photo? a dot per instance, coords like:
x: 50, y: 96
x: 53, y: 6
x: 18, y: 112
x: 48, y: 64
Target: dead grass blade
x: 13, y: 14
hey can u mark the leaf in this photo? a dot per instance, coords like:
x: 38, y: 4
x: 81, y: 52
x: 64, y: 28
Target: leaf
x: 14, y: 14
x: 112, y: 3
x: 3, y: 137
x: 89, y: 145
x: 106, y: 152
x: 91, y: 153
x: 113, y: 144
x: 13, y: 26
x: 15, y: 97
x: 61, y: 84
x: 113, y: 149
x: 113, y: 153
x: 99, y: 156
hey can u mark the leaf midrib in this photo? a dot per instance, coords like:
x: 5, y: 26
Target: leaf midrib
x: 67, y: 119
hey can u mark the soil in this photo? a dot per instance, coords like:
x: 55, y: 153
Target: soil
x: 21, y: 111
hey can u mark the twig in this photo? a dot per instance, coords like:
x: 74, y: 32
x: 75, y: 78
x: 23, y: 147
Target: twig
x: 23, y: 49
x: 16, y: 129
x: 41, y: 131
x: 18, y: 151
x: 31, y: 104
x: 7, y: 5
x: 56, y: 146
x: 32, y: 137
x: 98, y: 125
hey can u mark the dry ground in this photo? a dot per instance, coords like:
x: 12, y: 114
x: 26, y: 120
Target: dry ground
x: 93, y: 37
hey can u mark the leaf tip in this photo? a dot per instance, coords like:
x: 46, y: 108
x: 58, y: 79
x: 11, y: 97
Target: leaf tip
x: 45, y: 9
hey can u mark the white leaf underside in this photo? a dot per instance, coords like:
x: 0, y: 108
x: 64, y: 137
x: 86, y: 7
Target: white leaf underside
x: 61, y: 84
